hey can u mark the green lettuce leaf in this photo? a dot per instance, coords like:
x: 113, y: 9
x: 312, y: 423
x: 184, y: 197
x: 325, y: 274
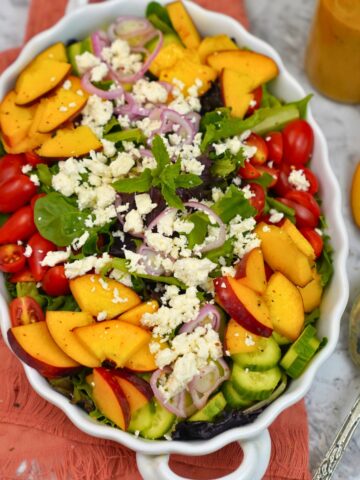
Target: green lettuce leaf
x: 233, y: 203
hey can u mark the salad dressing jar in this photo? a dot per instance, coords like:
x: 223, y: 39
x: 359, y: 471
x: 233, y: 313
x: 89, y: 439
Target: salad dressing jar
x: 333, y: 54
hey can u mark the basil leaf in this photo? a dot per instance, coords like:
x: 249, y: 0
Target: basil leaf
x: 233, y: 203
x: 139, y: 184
x: 58, y: 220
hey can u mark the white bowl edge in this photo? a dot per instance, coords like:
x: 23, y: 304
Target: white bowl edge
x: 335, y: 300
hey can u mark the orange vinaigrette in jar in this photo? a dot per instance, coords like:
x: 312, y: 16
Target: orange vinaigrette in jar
x: 333, y: 53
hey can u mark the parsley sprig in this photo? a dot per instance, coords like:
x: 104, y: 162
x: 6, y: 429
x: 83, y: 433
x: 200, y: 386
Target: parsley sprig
x: 167, y: 176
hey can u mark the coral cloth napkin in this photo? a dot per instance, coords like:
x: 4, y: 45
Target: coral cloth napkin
x: 38, y: 442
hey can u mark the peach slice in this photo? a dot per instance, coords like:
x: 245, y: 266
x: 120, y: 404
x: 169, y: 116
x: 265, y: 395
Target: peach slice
x: 217, y: 43
x: 183, y: 24
x: 61, y: 325
x: 236, y: 91
x: 281, y: 254
x: 240, y: 340
x: 95, y: 295
x: 311, y: 294
x: 300, y: 241
x: 34, y: 345
x: 257, y: 66
x: 285, y: 306
x: 112, y: 340
x: 143, y: 360
x: 109, y: 397
x: 137, y: 392
x: 251, y: 271
x: 135, y: 314
x: 15, y: 121
x: 244, y: 305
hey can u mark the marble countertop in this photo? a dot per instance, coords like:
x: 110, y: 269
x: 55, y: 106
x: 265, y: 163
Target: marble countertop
x: 285, y: 25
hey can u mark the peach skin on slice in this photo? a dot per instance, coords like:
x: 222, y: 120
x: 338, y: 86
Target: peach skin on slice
x: 109, y: 397
x: 112, y: 340
x: 137, y: 391
x: 285, y: 306
x: 61, y: 325
x: 34, y: 345
x: 95, y: 295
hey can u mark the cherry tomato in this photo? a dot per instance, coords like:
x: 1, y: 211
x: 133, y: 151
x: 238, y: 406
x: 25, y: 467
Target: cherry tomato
x: 311, y: 178
x: 12, y: 258
x: 23, y: 276
x: 315, y: 239
x: 16, y: 192
x: 36, y: 197
x: 40, y: 247
x: 25, y: 310
x: 274, y: 142
x: 54, y: 282
x: 298, y: 139
x: 305, y: 199
x: 248, y: 172
x: 283, y: 186
x: 303, y: 216
x: 256, y: 101
x: 20, y: 226
x: 258, y: 200
x: 10, y: 166
x: 259, y: 143
x: 274, y: 172
x: 33, y: 159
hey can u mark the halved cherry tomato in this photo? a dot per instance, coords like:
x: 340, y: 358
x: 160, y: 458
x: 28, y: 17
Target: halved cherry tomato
x: 33, y: 159
x: 12, y: 258
x: 298, y: 138
x: 258, y: 200
x: 40, y: 247
x: 311, y: 178
x: 20, y: 226
x: 54, y: 282
x: 305, y: 199
x: 274, y: 172
x: 303, y: 216
x: 315, y: 239
x: 25, y: 310
x: 259, y: 143
x: 248, y: 171
x: 10, y: 166
x: 36, y: 197
x: 274, y: 142
x: 23, y: 276
x: 16, y: 192
x: 255, y: 104
x: 283, y: 186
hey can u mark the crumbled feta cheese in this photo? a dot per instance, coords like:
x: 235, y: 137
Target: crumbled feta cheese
x: 249, y: 341
x: 67, y: 85
x: 266, y: 229
x: 85, y: 265
x: 228, y: 271
x: 99, y: 72
x: 26, y: 168
x: 86, y: 61
x: 97, y: 113
x: 216, y: 194
x: 319, y: 232
x: 275, y: 216
x: 133, y: 222
x: 144, y: 204
x: 122, y: 165
x: 35, y: 179
x: 248, y: 193
x: 193, y: 271
x: 79, y: 242
x: 53, y: 258
x: 298, y: 180
x: 101, y: 316
x: 28, y: 251
x: 152, y: 92
x: 119, y: 56
x: 244, y: 237
x: 109, y: 148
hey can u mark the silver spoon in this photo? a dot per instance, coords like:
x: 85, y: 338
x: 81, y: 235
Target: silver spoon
x: 343, y: 437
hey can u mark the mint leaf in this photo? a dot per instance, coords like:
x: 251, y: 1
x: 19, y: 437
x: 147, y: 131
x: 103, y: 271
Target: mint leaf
x: 139, y: 184
x: 198, y: 234
x: 188, y: 180
x: 160, y: 153
x: 233, y: 203
x: 171, y: 198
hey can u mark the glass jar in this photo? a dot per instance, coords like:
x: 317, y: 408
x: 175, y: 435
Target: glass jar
x: 333, y: 53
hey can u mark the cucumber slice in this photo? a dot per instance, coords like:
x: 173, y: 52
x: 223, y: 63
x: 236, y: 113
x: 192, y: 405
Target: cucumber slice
x: 161, y: 422
x: 213, y: 407
x: 301, y: 352
x: 267, y: 356
x: 255, y: 385
x: 280, y: 340
x: 233, y: 398
x: 78, y: 48
x: 277, y: 119
x: 142, y: 418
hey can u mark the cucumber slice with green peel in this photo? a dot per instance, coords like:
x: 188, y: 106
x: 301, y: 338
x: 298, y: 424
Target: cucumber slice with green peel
x: 213, y: 407
x: 280, y: 339
x: 301, y: 352
x: 78, y: 48
x: 142, y: 418
x: 266, y: 356
x: 255, y: 385
x: 161, y: 422
x: 277, y: 119
x: 233, y: 398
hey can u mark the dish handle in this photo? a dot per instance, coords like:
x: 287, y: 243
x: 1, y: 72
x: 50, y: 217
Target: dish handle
x: 253, y: 467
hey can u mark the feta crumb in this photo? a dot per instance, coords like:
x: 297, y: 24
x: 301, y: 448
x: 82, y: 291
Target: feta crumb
x: 62, y: 108
x: 53, y: 258
x: 275, y: 216
x: 28, y: 251
x: 133, y: 222
x: 99, y: 72
x: 298, y: 180
x: 249, y: 341
x: 26, y: 168
x: 144, y: 204
x: 67, y: 85
x: 86, y: 61
x: 266, y: 229
x: 101, y: 316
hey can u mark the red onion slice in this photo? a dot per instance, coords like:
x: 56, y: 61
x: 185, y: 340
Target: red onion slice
x: 222, y: 233
x: 207, y: 381
x: 99, y: 40
x: 175, y: 405
x: 131, y: 108
x: 106, y: 94
x: 170, y: 118
x: 148, y: 254
x: 194, y: 119
x: 207, y: 312
x: 127, y: 27
x: 157, y: 219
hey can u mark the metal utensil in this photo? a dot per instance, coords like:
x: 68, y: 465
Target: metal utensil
x: 343, y: 437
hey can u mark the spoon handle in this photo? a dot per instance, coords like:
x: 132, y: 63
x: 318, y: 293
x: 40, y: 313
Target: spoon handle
x: 335, y: 452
